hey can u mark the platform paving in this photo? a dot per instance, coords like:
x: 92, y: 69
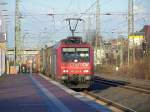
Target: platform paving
x: 32, y: 93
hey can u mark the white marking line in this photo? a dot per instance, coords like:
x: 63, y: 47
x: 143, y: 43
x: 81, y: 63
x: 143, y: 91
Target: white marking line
x: 78, y: 95
x: 32, y: 104
x: 57, y: 102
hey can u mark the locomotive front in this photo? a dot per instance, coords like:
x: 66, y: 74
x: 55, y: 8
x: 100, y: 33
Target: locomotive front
x: 76, y: 63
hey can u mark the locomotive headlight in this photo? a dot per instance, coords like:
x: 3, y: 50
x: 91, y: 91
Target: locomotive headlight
x: 85, y: 71
x: 87, y: 77
x: 75, y: 60
x: 64, y: 77
x: 65, y: 71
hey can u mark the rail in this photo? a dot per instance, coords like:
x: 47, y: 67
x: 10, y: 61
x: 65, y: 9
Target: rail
x: 115, y: 107
x: 123, y: 85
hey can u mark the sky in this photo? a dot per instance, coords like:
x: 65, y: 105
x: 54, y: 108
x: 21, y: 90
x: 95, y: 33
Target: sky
x: 39, y: 29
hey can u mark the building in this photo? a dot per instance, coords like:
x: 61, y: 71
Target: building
x: 147, y: 33
x: 2, y: 54
x: 139, y: 37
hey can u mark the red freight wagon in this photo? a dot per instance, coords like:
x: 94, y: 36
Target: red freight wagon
x: 37, y: 63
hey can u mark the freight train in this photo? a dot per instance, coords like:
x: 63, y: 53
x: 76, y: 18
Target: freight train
x: 70, y: 61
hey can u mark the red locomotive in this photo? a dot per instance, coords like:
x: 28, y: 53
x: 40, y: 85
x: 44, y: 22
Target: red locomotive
x: 71, y: 61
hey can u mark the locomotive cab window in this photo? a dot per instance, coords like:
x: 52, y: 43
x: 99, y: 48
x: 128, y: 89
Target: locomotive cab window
x: 75, y: 54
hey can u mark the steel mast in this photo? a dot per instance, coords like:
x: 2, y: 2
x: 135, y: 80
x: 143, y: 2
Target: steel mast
x: 130, y: 29
x: 98, y: 39
x: 17, y: 35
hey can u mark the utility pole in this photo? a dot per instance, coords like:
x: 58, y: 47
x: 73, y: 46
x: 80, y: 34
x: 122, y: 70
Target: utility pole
x: 98, y: 39
x: 17, y: 35
x: 130, y: 27
x: 121, y: 52
x: 131, y: 32
x: 88, y: 37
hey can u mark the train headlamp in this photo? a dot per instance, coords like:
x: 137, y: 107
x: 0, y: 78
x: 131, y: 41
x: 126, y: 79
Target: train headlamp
x: 87, y: 77
x: 75, y: 60
x: 85, y: 71
x: 64, y: 77
x: 65, y: 71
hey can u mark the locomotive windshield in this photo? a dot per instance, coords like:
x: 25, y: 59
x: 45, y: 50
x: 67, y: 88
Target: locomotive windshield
x: 75, y: 54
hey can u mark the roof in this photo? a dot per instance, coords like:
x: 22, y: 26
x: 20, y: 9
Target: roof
x: 2, y: 40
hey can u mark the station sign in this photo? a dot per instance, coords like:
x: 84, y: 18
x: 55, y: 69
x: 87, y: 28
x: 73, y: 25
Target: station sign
x: 135, y: 40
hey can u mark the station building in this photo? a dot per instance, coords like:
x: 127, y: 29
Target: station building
x: 2, y: 54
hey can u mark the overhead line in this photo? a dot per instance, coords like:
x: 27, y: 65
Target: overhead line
x: 79, y: 17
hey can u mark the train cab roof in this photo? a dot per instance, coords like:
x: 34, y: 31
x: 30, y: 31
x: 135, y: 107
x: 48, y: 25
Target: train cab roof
x: 72, y: 40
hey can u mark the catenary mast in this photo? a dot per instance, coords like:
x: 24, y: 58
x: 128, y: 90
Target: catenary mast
x: 130, y: 29
x: 17, y: 35
x: 98, y: 39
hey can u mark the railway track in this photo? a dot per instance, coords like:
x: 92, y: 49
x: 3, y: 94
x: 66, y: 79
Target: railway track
x: 123, y: 85
x: 115, y: 107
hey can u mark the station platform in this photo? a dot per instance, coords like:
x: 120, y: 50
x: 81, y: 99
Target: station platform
x: 35, y: 93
